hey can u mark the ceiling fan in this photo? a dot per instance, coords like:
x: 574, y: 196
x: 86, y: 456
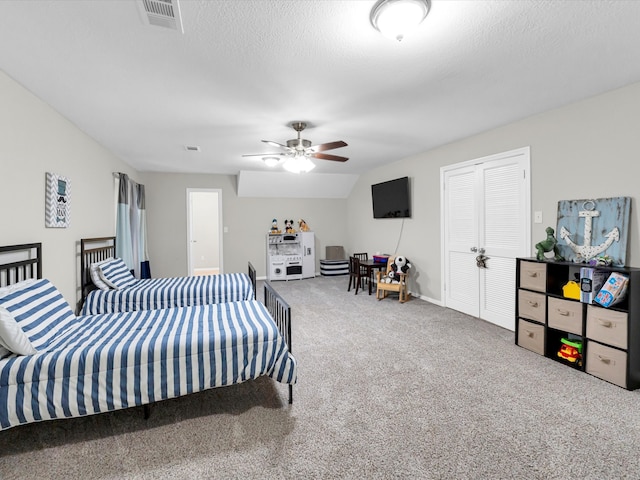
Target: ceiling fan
x: 298, y: 151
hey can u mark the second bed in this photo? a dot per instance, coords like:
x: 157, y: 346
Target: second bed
x: 156, y: 293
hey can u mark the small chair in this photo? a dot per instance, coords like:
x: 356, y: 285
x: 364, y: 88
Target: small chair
x: 355, y: 274
x: 364, y: 275
x: 384, y: 288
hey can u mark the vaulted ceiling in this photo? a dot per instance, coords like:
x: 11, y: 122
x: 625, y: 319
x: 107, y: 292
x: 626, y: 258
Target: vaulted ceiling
x: 243, y: 70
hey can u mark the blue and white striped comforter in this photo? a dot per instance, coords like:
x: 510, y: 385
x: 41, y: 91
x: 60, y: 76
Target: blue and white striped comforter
x: 156, y: 293
x: 107, y: 362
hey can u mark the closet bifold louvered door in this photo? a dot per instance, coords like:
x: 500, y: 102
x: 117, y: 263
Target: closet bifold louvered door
x: 486, y: 226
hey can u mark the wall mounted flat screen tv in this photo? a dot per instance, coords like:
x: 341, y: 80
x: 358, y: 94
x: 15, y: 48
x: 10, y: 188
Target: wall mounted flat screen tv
x: 391, y: 199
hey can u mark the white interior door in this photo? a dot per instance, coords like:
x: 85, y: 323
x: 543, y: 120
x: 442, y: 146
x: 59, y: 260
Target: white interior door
x: 204, y: 219
x: 461, y: 279
x: 486, y: 206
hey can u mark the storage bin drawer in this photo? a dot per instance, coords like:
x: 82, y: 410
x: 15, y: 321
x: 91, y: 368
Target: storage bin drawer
x: 565, y: 315
x: 533, y: 276
x: 531, y: 336
x: 607, y: 363
x: 532, y: 305
x: 607, y: 326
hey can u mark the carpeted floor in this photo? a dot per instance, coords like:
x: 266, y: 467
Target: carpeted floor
x: 385, y: 390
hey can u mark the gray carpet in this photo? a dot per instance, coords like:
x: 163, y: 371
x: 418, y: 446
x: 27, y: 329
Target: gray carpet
x: 385, y: 390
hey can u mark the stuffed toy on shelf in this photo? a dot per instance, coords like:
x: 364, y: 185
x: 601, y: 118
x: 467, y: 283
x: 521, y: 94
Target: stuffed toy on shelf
x: 274, y: 227
x: 288, y: 226
x: 303, y: 225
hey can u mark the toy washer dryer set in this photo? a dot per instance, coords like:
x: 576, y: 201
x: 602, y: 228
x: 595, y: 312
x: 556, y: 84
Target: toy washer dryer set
x: 290, y: 256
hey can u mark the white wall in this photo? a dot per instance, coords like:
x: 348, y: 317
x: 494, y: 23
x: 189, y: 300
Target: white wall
x: 588, y: 149
x: 34, y: 139
x: 248, y: 221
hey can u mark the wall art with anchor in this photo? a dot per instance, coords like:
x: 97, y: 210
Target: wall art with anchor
x: 58, y: 201
x: 592, y: 228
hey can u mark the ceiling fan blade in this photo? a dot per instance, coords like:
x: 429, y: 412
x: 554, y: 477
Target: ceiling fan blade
x: 275, y: 144
x: 327, y: 146
x: 324, y: 156
x: 263, y: 154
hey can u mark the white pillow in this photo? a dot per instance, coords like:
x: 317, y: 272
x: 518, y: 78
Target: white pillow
x: 116, y: 274
x: 94, y: 271
x: 12, y: 338
x: 36, y: 309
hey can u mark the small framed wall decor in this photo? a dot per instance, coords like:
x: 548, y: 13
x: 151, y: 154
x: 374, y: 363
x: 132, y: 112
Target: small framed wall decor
x: 58, y: 198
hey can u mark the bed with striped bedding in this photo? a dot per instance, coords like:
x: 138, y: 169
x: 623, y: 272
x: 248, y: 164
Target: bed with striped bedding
x: 124, y: 293
x: 156, y: 293
x: 54, y: 364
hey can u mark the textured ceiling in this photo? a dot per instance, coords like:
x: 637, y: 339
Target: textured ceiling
x: 243, y: 70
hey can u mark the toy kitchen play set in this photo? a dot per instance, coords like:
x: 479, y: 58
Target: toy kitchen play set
x: 290, y: 256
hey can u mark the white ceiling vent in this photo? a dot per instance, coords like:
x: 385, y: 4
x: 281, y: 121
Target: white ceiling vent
x: 161, y: 13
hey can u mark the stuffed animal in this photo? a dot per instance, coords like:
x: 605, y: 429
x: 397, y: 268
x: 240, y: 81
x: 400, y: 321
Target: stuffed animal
x: 303, y: 225
x: 274, y: 227
x: 288, y: 226
x: 549, y: 244
x: 399, y: 265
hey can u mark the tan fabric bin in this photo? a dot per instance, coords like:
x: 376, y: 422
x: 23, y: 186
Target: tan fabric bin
x: 533, y: 276
x: 531, y: 336
x: 532, y: 305
x: 565, y: 315
x: 607, y: 363
x: 607, y: 326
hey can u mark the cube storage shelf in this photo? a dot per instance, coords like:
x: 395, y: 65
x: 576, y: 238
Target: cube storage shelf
x: 610, y: 336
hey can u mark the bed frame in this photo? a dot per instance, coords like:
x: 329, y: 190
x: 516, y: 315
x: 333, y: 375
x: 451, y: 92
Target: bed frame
x: 89, y: 253
x: 25, y: 262
x: 281, y: 313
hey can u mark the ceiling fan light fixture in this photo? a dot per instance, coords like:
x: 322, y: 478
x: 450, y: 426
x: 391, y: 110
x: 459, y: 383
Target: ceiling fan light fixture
x: 396, y: 18
x: 271, y: 161
x: 298, y: 164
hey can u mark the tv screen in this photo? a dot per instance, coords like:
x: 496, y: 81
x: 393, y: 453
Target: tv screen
x: 391, y: 199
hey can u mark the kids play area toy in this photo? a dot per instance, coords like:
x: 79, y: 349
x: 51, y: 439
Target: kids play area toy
x: 571, y: 351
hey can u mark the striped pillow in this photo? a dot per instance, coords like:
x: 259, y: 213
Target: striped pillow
x: 94, y: 271
x: 116, y: 274
x: 39, y: 310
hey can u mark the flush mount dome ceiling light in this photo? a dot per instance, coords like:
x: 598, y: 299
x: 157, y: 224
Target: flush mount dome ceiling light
x: 395, y: 18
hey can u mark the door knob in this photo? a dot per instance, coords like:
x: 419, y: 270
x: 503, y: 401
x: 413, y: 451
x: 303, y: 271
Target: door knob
x: 481, y: 250
x: 474, y: 249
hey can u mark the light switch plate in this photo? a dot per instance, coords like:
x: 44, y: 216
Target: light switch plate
x: 537, y: 217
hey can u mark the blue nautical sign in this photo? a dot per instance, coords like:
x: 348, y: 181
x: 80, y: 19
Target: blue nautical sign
x: 591, y: 228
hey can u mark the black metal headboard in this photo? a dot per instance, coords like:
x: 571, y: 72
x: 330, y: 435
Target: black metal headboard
x: 93, y: 250
x: 22, y: 262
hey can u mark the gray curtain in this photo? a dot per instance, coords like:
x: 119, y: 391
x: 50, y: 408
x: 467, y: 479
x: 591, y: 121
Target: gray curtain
x: 131, y: 226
